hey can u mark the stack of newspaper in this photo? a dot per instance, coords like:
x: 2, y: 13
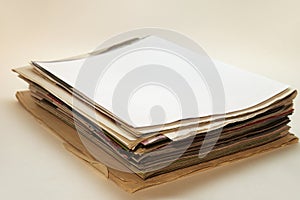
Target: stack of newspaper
x: 234, y: 116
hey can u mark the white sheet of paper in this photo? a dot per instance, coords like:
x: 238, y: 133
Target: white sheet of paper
x: 99, y: 77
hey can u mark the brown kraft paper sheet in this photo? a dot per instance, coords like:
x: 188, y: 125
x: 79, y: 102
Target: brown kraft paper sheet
x: 130, y: 182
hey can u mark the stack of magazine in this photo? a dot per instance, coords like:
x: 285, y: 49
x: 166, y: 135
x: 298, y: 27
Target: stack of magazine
x: 136, y: 149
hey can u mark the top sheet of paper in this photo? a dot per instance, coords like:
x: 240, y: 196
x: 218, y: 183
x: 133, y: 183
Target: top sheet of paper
x: 153, y: 81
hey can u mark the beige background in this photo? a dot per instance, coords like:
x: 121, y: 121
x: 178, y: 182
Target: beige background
x: 260, y: 36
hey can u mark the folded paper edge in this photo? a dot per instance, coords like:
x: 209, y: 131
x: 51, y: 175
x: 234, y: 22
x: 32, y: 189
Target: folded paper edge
x: 69, y: 147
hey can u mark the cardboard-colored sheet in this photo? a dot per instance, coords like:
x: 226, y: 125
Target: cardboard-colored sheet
x: 129, y: 181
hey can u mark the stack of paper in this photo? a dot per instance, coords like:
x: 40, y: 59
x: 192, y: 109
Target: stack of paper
x: 255, y: 116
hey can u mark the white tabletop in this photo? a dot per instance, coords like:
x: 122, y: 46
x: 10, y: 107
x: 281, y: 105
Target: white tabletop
x: 259, y: 36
